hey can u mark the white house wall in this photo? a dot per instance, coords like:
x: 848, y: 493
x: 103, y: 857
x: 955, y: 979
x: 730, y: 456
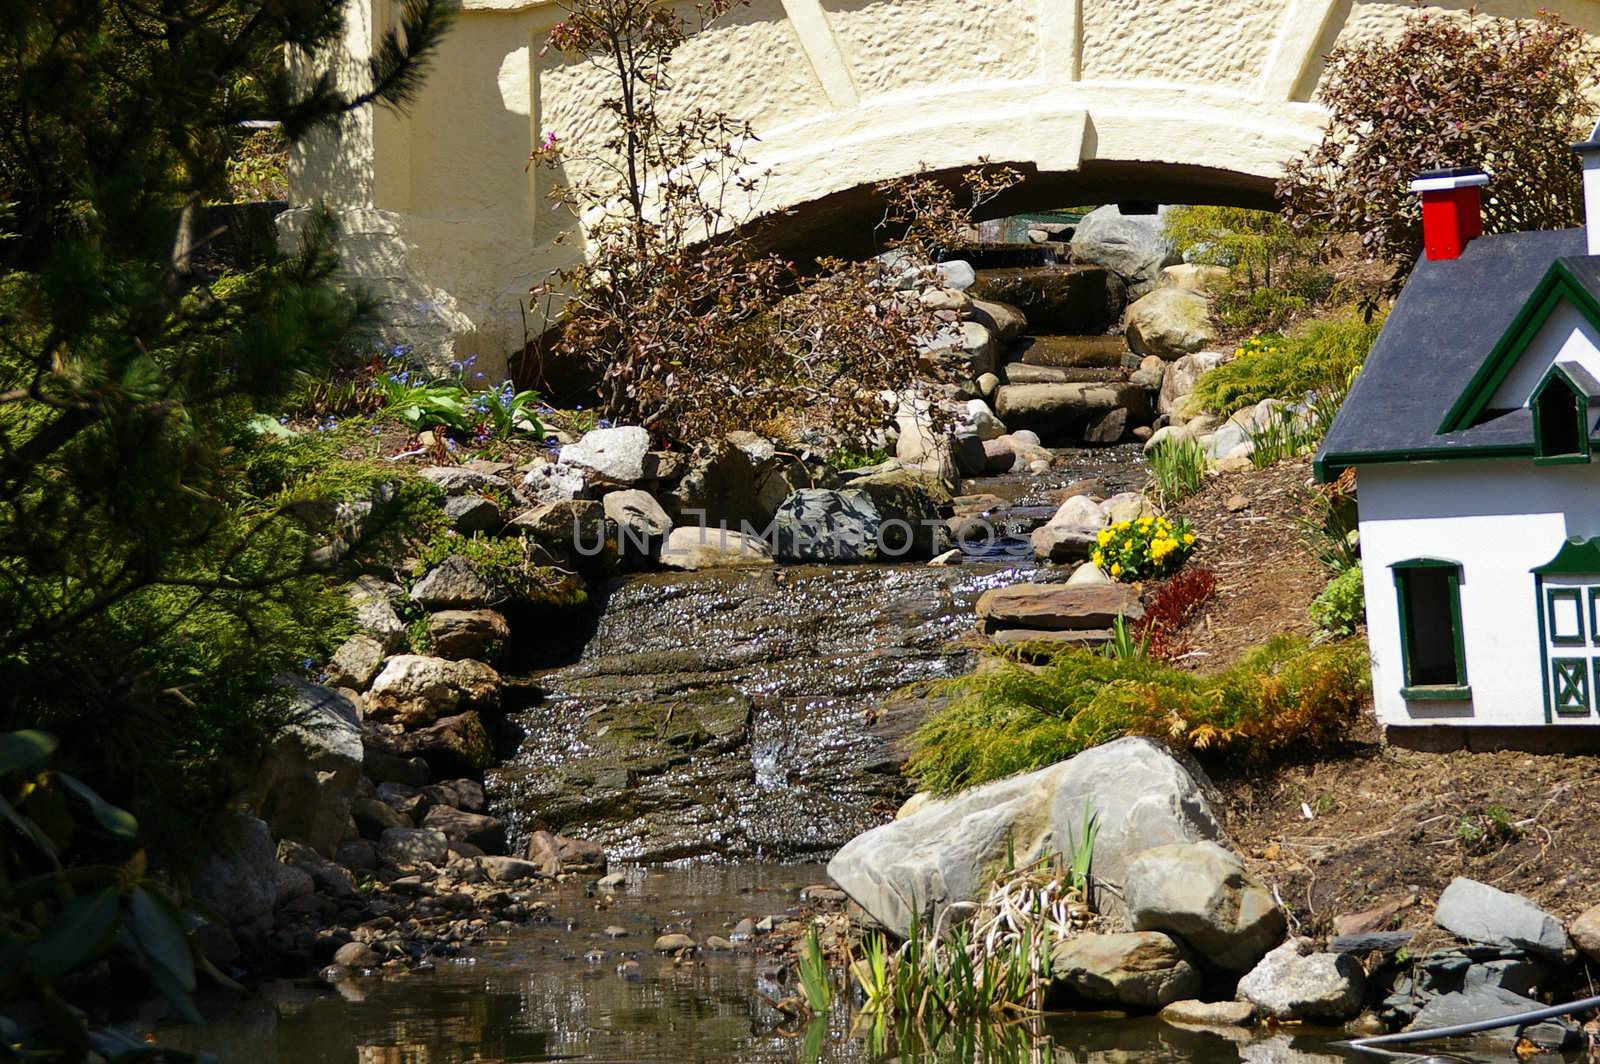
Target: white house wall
x: 1499, y: 520
x: 1566, y: 336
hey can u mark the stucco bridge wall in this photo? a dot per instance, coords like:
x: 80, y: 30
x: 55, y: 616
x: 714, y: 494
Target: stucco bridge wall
x: 1095, y: 100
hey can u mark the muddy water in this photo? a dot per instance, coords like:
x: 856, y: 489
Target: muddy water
x: 746, y: 714
x: 553, y: 992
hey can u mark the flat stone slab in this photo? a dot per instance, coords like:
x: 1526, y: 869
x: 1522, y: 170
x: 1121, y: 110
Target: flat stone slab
x: 1478, y: 912
x: 1028, y: 637
x: 1383, y: 941
x: 1057, y: 607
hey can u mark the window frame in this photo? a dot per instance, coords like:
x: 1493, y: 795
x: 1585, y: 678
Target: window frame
x: 1556, y: 377
x: 1460, y: 690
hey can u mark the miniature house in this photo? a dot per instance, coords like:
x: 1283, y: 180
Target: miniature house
x: 1474, y: 430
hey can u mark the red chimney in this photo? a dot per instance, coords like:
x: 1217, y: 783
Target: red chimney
x: 1452, y: 209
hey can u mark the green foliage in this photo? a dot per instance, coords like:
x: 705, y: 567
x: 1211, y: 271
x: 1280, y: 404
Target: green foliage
x: 815, y: 986
x: 848, y: 459
x: 1124, y: 642
x: 1273, y: 272
x: 1485, y: 831
x: 73, y: 887
x: 1143, y: 548
x: 1321, y: 356
x: 1080, y: 851
x: 453, y: 403
x: 1285, y: 435
x: 1328, y: 523
x: 1178, y: 464
x: 148, y: 591
x: 510, y: 564
x: 1341, y: 607
x: 1281, y: 696
x: 1505, y: 94
x: 257, y: 167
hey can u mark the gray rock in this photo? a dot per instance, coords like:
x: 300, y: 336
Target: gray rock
x: 236, y: 884
x: 472, y: 513
x: 358, y: 855
x: 458, y: 794
x: 617, y: 454
x: 1063, y: 543
x: 946, y: 851
x: 970, y: 457
x: 721, y: 484
x: 1480, y: 913
x: 576, y: 523
x: 1169, y: 323
x: 1225, y: 441
x: 308, y: 779
x: 1382, y: 941
x: 375, y: 614
x: 355, y: 663
x: 957, y: 274
x: 1004, y: 320
x: 416, y: 689
x: 412, y: 846
x: 554, y: 481
x: 331, y: 879
x: 820, y: 524
x: 453, y: 584
x: 456, y: 634
x: 1294, y: 982
x: 291, y: 882
x: 642, y: 525
x: 1202, y: 893
x: 373, y: 817
x: 357, y: 955
x: 1518, y: 975
x: 509, y: 869
x: 1487, y: 1003
x: 1181, y: 377
x: 459, y: 480
x: 1130, y: 245
x: 1141, y: 970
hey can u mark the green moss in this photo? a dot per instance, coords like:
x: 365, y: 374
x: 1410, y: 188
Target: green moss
x: 509, y: 564
x: 1284, y: 695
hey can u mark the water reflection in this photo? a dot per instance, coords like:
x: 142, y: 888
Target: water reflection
x: 554, y: 992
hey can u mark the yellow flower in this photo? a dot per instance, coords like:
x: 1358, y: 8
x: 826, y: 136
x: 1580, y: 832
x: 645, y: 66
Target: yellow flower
x: 1238, y: 352
x: 1116, y: 569
x: 1103, y: 538
x: 1188, y: 539
x: 1099, y: 559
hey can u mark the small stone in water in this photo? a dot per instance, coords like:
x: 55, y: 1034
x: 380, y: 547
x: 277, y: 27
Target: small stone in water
x: 616, y: 932
x: 718, y: 944
x: 764, y: 926
x: 673, y: 943
x: 743, y: 931
x: 822, y: 893
x: 612, y: 881
x: 629, y: 970
x: 595, y: 956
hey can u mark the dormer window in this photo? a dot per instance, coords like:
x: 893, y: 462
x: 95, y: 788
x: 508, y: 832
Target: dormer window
x: 1561, y: 414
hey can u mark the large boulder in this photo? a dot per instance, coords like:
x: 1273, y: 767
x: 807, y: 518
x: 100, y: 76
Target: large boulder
x: 1480, y: 913
x: 696, y: 548
x: 966, y: 347
x: 617, y: 454
x: 952, y: 848
x: 1140, y: 970
x: 915, y: 497
x: 355, y: 663
x: 451, y: 746
x: 1202, y: 893
x: 308, y: 779
x: 1003, y: 319
x: 1294, y: 982
x: 823, y: 524
x: 1488, y: 1003
x: 1057, y: 606
x: 721, y: 485
x: 1130, y: 245
x: 1060, y: 411
x: 1181, y: 377
x: 1169, y: 323
x: 235, y: 884
x: 415, y: 689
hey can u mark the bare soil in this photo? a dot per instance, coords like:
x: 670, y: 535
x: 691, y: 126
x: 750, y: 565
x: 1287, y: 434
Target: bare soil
x: 1345, y: 831
x: 1267, y: 575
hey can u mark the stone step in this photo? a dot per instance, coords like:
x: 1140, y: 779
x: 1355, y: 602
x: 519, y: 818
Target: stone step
x: 1057, y: 607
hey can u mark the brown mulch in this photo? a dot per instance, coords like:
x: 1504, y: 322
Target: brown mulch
x: 1349, y: 830
x: 1377, y: 824
x: 1266, y: 573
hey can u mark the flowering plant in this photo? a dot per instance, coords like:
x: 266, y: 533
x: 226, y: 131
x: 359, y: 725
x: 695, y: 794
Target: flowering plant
x: 1265, y: 344
x: 1142, y: 548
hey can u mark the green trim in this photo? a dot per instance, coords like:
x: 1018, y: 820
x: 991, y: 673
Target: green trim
x: 1565, y: 594
x: 1401, y: 570
x: 1556, y: 286
x: 1327, y: 467
x: 1437, y: 693
x: 1577, y: 557
x: 1544, y: 647
x: 1569, y: 685
x: 1580, y: 404
x: 1594, y: 615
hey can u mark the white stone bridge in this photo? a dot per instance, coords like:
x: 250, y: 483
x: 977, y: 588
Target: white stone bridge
x: 1094, y: 100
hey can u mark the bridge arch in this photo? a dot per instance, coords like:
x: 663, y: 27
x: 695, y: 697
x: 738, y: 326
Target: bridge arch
x: 1094, y: 100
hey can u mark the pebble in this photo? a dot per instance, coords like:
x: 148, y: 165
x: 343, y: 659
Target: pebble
x: 673, y: 943
x: 822, y: 893
x: 629, y: 970
x: 595, y: 956
x: 764, y: 926
x: 615, y: 932
x: 743, y: 931
x: 356, y: 955
x: 613, y: 881
x: 718, y: 944
x: 1235, y: 503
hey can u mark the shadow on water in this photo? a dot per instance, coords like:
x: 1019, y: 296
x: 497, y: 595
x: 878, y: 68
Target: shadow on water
x: 554, y: 992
